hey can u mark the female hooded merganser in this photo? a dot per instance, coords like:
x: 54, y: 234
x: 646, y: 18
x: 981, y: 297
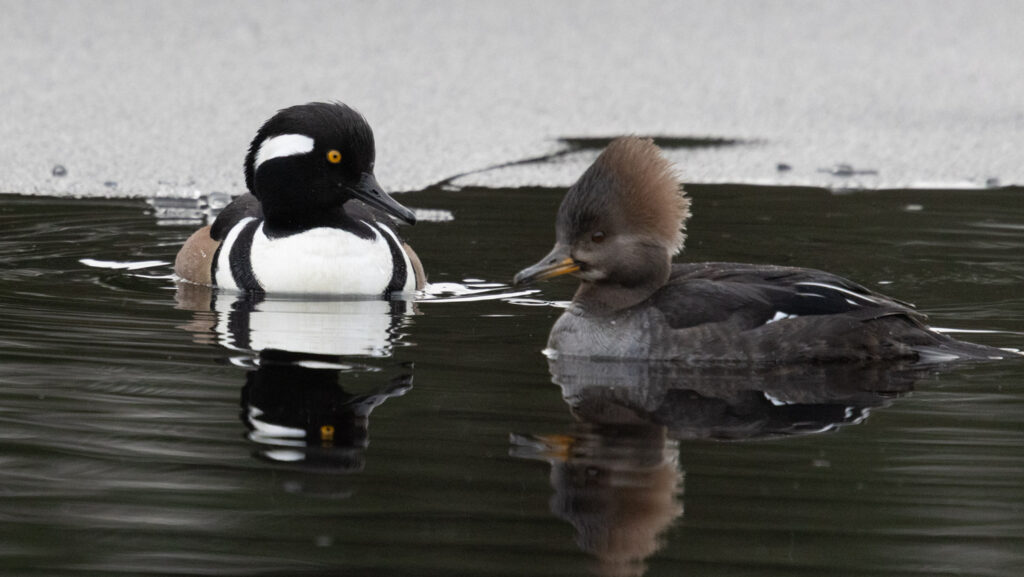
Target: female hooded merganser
x: 297, y: 229
x: 617, y: 230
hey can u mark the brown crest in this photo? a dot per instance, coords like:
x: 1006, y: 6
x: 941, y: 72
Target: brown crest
x: 633, y: 178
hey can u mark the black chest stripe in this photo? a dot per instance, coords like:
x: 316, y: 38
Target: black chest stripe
x: 214, y: 265
x: 239, y: 258
x: 398, y: 269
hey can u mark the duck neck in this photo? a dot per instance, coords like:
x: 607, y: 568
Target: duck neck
x: 278, y: 224
x: 609, y: 296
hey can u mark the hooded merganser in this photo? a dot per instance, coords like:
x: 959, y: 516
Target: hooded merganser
x: 617, y: 230
x: 296, y: 230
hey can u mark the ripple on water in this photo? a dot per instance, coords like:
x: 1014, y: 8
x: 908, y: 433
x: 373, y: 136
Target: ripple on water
x: 474, y: 290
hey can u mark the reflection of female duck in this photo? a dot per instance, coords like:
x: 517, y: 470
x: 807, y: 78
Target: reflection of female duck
x: 616, y: 477
x: 618, y: 486
x: 728, y: 403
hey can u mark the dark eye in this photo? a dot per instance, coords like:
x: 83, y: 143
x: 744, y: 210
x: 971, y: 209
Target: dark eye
x: 597, y: 237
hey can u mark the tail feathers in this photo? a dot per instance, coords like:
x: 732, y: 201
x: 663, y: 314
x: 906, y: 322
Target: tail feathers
x: 946, y: 349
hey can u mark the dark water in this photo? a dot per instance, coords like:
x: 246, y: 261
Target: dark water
x: 144, y: 431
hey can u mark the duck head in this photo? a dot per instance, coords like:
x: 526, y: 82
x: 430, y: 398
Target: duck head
x: 308, y: 160
x: 617, y: 228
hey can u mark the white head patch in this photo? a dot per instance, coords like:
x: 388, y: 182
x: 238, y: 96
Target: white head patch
x: 283, y: 145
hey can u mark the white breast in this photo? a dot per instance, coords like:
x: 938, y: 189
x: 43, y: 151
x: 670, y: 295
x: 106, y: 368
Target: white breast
x: 322, y: 260
x: 318, y: 261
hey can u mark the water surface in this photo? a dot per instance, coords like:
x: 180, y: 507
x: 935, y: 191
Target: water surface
x: 149, y: 430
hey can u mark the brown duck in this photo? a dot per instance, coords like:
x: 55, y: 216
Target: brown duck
x: 617, y: 230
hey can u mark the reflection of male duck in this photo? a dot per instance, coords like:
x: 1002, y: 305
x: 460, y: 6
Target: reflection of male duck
x: 318, y: 326
x: 297, y: 413
x: 616, y: 477
x: 292, y: 402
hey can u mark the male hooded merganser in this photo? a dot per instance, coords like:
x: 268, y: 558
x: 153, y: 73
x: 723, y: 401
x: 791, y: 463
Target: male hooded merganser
x: 617, y: 230
x: 297, y: 229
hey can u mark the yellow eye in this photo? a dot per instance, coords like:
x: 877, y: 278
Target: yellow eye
x: 333, y: 156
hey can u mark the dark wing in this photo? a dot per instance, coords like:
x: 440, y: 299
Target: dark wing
x: 750, y: 295
x: 241, y: 207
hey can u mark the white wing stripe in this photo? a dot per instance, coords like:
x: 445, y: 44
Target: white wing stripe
x: 853, y: 296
